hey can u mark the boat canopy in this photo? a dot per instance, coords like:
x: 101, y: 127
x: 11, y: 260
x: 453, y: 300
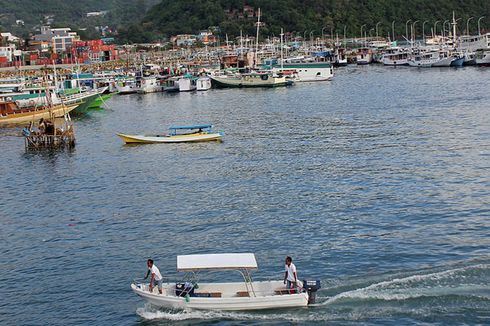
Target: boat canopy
x: 216, y: 262
x: 190, y: 127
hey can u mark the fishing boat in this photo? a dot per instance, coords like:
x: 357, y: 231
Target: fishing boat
x: 482, y: 57
x: 187, y: 84
x: 126, y: 87
x: 395, y: 56
x: 423, y: 59
x: 171, y: 85
x: 203, y: 83
x: 178, y: 134
x: 306, y: 71
x: 148, y: 84
x: 234, y: 296
x: 11, y: 114
x: 364, y: 56
x: 252, y: 79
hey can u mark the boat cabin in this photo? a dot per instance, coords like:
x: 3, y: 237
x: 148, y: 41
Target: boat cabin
x: 191, y: 129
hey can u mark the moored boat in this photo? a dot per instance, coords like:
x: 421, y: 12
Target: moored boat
x: 178, y: 134
x: 11, y: 114
x: 482, y: 57
x: 253, y: 79
x: 307, y: 71
x: 203, y: 83
x: 231, y: 296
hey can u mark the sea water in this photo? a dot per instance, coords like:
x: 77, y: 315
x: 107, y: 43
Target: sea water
x: 377, y: 183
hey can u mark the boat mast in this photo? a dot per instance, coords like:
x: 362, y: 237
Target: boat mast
x: 241, y: 44
x: 454, y: 31
x: 257, y: 39
x: 282, y: 47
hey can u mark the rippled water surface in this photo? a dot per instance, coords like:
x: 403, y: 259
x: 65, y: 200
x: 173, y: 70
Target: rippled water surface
x: 377, y: 183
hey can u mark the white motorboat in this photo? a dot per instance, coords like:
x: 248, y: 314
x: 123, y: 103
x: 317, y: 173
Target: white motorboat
x: 245, y: 295
x: 395, y: 56
x: 126, y: 87
x: 253, y: 79
x: 306, y: 71
x: 364, y: 56
x: 203, y: 83
x: 187, y: 84
x: 423, y: 59
x: 482, y: 57
x: 148, y: 84
x: 445, y: 59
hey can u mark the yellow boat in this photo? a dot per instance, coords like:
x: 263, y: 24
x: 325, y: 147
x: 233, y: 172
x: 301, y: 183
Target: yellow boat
x: 11, y: 114
x: 178, y: 134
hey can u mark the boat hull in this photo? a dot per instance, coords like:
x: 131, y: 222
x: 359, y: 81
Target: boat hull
x: 224, y: 82
x: 34, y: 116
x: 154, y: 139
x: 228, y: 303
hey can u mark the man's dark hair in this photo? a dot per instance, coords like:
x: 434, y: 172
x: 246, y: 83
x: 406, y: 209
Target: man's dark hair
x: 289, y: 259
x: 150, y: 261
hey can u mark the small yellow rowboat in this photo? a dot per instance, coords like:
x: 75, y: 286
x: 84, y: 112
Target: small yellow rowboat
x: 178, y: 134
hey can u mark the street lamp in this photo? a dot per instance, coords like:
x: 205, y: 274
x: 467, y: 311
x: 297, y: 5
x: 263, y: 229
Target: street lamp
x: 479, y: 24
x: 414, y: 32
x: 393, y: 31
x: 304, y: 36
x: 423, y: 30
x: 361, y: 29
x: 468, y: 26
x: 323, y: 37
x: 435, y: 27
x: 444, y: 28
x: 377, y: 28
x: 311, y: 37
x: 345, y: 28
x: 406, y: 29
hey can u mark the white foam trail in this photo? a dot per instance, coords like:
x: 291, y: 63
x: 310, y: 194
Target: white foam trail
x: 415, y: 286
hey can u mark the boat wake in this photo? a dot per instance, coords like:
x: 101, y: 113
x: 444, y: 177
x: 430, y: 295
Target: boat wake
x: 418, y: 295
x: 466, y: 281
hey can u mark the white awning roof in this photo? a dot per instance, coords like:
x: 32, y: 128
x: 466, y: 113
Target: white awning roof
x: 216, y: 261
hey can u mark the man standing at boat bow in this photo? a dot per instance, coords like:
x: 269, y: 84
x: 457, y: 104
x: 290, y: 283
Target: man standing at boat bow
x: 290, y: 275
x: 156, y: 277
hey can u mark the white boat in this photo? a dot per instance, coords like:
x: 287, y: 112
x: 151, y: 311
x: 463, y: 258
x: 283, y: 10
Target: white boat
x: 148, y: 84
x: 364, y: 56
x: 178, y: 134
x: 187, y: 84
x: 253, y: 79
x: 245, y: 295
x: 445, y: 59
x: 395, y: 56
x: 203, y: 83
x: 171, y: 85
x: 126, y: 87
x: 423, y: 59
x: 306, y: 71
x: 482, y: 57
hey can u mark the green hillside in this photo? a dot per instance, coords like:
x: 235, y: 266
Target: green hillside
x: 185, y: 16
x: 70, y: 13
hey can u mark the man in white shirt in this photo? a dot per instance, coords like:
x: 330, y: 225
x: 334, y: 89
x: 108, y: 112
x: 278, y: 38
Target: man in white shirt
x: 290, y: 275
x: 156, y: 277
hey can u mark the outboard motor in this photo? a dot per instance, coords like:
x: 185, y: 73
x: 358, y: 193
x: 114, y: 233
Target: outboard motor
x: 311, y: 287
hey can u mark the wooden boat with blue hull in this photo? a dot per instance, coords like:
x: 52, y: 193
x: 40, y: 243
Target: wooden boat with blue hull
x: 178, y: 134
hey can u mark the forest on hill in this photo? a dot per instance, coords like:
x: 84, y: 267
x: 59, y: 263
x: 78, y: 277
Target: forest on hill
x: 150, y: 20
x: 187, y: 16
x: 72, y: 14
